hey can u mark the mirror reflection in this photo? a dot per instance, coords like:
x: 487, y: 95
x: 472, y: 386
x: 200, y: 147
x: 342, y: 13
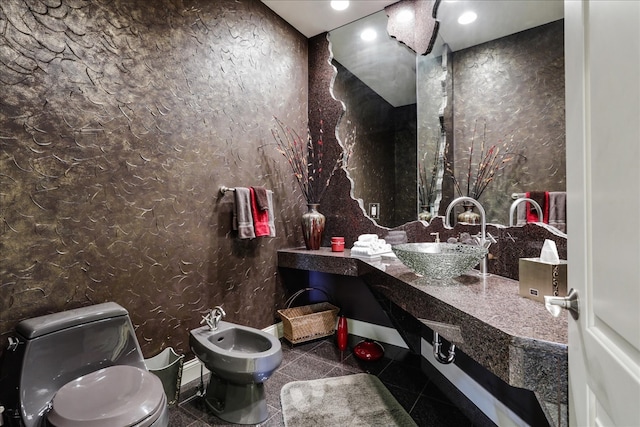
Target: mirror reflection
x: 506, y: 72
x: 376, y: 82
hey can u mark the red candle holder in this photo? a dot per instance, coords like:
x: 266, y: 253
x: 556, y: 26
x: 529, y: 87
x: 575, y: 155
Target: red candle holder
x: 337, y: 244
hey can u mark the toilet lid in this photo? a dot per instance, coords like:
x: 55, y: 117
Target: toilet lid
x: 116, y: 396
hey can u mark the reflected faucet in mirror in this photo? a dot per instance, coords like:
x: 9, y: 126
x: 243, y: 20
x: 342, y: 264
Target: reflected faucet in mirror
x: 515, y: 204
x: 483, y: 241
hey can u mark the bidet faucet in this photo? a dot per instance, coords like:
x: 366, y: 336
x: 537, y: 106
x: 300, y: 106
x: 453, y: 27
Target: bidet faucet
x: 214, y: 317
x: 483, y: 227
x: 516, y: 202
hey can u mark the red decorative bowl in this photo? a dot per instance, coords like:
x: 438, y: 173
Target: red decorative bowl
x: 368, y: 350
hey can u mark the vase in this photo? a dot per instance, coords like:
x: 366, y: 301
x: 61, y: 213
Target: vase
x: 425, y: 213
x: 312, y: 227
x: 368, y: 350
x: 469, y: 215
x: 342, y: 333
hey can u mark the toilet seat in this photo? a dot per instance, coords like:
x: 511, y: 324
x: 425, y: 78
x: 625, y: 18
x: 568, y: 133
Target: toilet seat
x: 119, y: 396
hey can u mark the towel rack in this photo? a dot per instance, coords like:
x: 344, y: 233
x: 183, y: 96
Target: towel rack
x: 224, y: 189
x: 516, y: 196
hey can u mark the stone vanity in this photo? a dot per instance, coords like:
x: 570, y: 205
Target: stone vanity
x: 510, y: 336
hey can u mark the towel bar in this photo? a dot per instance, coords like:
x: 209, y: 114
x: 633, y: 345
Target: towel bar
x: 224, y: 189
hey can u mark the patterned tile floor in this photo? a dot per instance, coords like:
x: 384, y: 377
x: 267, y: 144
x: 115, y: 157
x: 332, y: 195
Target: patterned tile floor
x: 399, y: 371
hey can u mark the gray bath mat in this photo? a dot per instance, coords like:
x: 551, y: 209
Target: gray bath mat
x: 352, y: 400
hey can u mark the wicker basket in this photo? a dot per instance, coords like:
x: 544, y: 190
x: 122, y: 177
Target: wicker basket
x: 308, y: 322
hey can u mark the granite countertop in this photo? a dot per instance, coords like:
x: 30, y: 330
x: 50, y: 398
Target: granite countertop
x: 493, y: 300
x: 513, y: 337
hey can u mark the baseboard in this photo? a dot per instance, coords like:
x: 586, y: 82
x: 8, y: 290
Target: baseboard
x: 376, y: 332
x: 191, y: 371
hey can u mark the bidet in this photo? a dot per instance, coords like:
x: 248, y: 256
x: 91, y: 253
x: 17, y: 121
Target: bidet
x: 240, y: 359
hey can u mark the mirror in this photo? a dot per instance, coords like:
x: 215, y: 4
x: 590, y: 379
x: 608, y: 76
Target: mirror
x: 514, y: 83
x: 376, y: 82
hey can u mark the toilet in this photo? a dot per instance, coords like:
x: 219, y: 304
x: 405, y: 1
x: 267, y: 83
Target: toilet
x: 240, y: 359
x: 81, y: 367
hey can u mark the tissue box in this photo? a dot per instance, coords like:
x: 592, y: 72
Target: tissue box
x: 538, y: 278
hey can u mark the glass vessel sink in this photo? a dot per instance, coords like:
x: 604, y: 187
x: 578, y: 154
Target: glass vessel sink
x: 439, y: 260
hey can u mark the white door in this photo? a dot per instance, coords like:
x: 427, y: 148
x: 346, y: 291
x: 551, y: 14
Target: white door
x: 602, y: 51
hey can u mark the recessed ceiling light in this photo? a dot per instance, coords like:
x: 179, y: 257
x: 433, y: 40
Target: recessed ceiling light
x: 467, y: 18
x: 340, y: 4
x: 368, y: 35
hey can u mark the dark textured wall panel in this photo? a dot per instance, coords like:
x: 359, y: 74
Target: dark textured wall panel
x: 516, y: 85
x: 119, y: 120
x: 405, y: 201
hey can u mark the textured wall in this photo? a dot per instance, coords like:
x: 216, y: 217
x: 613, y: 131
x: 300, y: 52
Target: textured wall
x: 516, y: 85
x: 119, y: 120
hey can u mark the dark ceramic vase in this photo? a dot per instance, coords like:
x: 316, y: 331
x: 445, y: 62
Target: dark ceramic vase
x: 469, y: 216
x: 313, y: 227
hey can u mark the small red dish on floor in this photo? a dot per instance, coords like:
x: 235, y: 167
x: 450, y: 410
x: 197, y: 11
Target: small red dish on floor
x: 368, y: 350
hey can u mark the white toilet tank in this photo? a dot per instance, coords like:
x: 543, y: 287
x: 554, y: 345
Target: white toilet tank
x: 61, y: 347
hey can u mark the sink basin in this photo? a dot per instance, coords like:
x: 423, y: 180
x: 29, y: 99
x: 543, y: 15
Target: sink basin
x: 439, y: 260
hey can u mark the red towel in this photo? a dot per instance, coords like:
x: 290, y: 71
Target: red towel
x: 260, y: 218
x: 542, y: 197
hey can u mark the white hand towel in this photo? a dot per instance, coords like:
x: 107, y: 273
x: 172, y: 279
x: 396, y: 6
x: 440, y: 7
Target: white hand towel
x: 272, y: 222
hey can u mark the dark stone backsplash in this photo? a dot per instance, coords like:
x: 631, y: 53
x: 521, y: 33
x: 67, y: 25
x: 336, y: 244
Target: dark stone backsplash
x: 118, y: 123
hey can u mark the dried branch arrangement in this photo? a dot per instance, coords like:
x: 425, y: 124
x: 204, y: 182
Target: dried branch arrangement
x: 481, y: 168
x: 305, y: 157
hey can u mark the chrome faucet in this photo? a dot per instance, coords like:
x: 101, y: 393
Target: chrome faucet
x: 516, y: 202
x: 214, y: 317
x: 483, y: 241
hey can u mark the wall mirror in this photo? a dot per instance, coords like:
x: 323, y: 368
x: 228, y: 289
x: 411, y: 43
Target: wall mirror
x: 376, y: 82
x: 404, y: 112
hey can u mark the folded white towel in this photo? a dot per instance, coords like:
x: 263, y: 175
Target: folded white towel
x: 369, y: 245
x: 370, y: 249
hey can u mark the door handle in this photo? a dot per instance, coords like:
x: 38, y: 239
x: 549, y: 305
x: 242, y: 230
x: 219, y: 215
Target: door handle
x: 555, y: 304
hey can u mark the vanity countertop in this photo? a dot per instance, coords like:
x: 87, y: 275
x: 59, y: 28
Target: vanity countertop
x: 513, y: 337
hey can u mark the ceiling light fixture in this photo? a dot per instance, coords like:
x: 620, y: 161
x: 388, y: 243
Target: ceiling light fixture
x: 368, y: 35
x: 340, y: 4
x: 467, y: 18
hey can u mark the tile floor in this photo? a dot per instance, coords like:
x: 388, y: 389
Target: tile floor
x: 399, y: 371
